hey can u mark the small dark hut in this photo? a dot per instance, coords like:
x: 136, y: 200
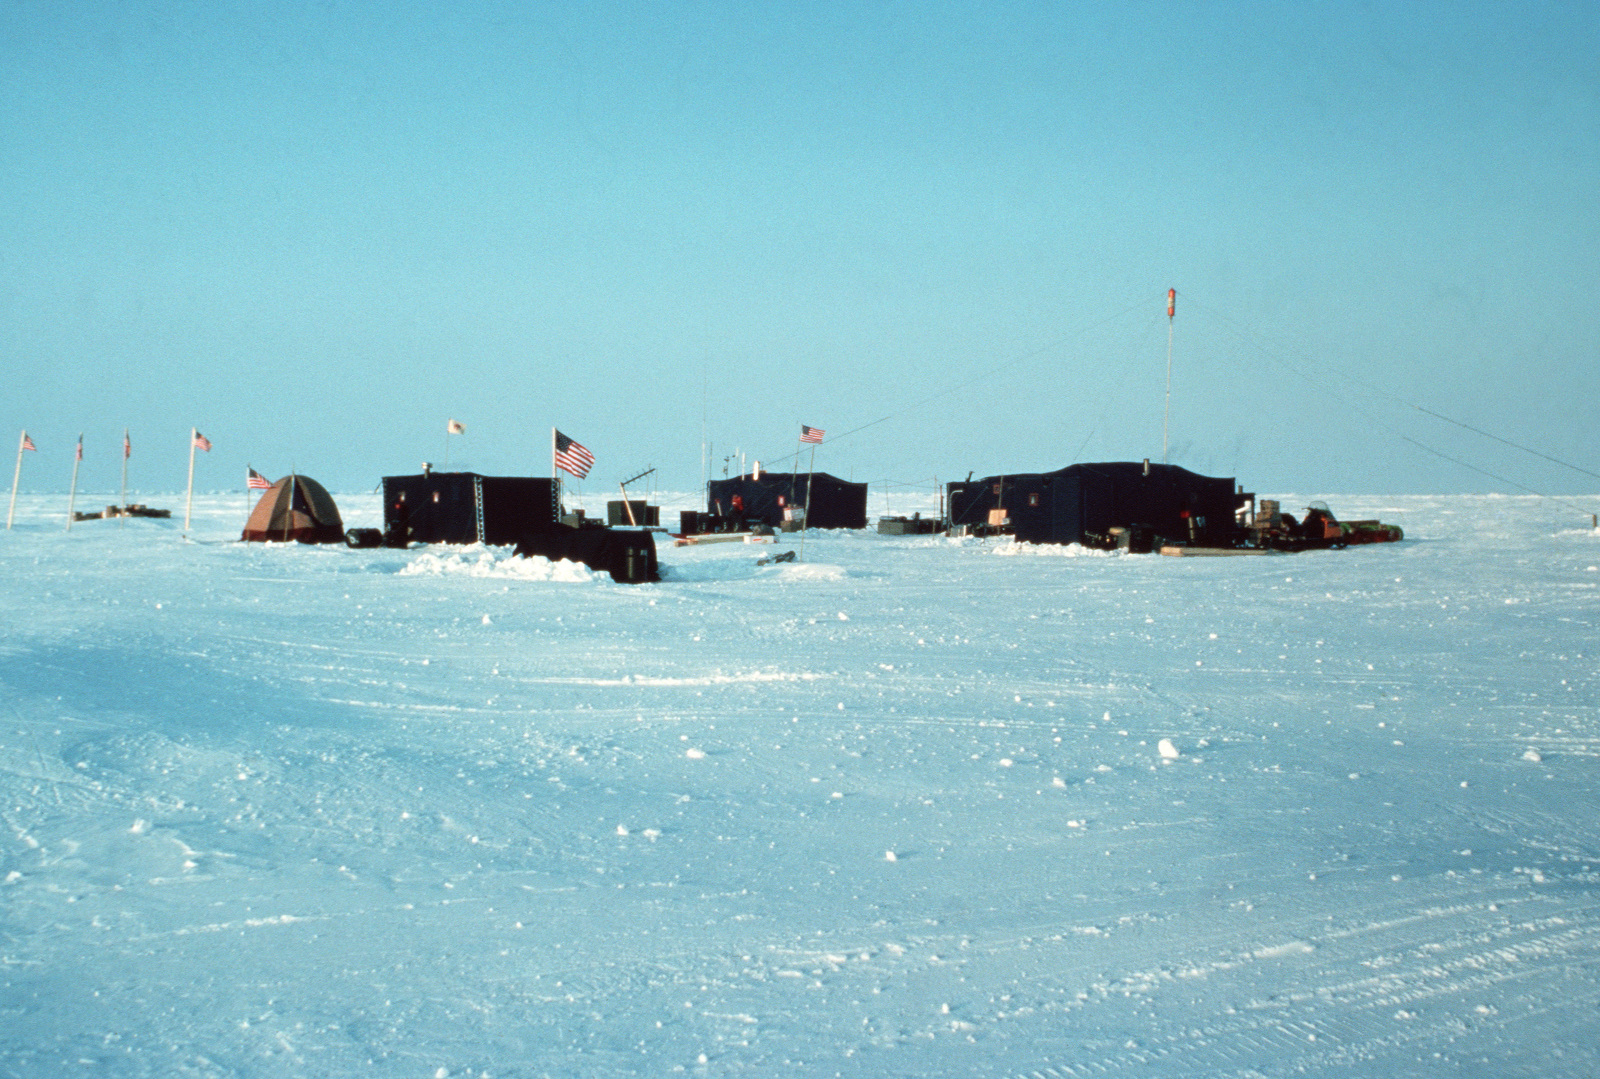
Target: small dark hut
x: 632, y: 513
x: 1084, y: 503
x: 834, y: 503
x: 628, y: 554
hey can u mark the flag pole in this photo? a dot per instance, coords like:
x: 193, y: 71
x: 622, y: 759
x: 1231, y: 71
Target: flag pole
x: 188, y: 500
x: 127, y: 450
x: 288, y: 517
x: 1172, y: 300
x: 794, y: 477
x: 16, y: 476
x: 805, y: 525
x: 555, y: 474
x: 72, y: 496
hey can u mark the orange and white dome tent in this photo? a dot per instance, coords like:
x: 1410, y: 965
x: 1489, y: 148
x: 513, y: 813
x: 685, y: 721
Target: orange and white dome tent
x: 295, y: 508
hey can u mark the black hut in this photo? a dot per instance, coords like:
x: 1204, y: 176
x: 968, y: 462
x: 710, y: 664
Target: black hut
x: 464, y: 507
x: 1083, y: 503
x: 834, y: 503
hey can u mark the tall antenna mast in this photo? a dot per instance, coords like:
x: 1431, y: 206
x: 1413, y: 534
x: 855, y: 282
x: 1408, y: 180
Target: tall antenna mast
x: 1172, y: 305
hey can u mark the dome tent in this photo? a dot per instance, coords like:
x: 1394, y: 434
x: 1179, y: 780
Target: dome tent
x: 295, y: 508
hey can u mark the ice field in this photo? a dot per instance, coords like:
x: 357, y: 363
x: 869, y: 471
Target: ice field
x: 898, y: 809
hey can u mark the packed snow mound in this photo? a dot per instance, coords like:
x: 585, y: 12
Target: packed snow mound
x: 706, y: 571
x: 805, y: 571
x: 747, y: 567
x: 1051, y: 550
x: 481, y: 561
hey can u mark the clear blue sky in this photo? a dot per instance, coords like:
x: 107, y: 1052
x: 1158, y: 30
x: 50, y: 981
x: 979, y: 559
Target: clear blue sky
x: 319, y: 231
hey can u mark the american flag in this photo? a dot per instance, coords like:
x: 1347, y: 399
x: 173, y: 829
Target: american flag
x: 572, y: 456
x: 255, y: 481
x: 811, y: 434
x: 127, y: 447
x: 79, y: 457
x: 202, y: 441
x: 27, y: 443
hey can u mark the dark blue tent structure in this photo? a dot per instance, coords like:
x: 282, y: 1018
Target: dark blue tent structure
x: 834, y: 503
x: 1083, y: 503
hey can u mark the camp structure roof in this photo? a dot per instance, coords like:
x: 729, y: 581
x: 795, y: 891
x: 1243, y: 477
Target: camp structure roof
x: 464, y: 507
x: 833, y: 502
x: 1082, y: 503
x: 295, y: 508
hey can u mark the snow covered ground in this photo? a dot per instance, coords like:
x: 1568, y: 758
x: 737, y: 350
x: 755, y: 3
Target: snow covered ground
x: 899, y: 809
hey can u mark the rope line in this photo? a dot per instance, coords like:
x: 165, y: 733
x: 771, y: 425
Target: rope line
x: 980, y: 376
x: 1507, y: 442
x: 1379, y: 391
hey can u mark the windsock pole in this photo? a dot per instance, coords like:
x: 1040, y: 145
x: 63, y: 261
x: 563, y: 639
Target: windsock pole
x: 1172, y: 304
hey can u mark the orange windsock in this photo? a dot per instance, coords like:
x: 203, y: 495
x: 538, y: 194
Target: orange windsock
x: 1172, y: 301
